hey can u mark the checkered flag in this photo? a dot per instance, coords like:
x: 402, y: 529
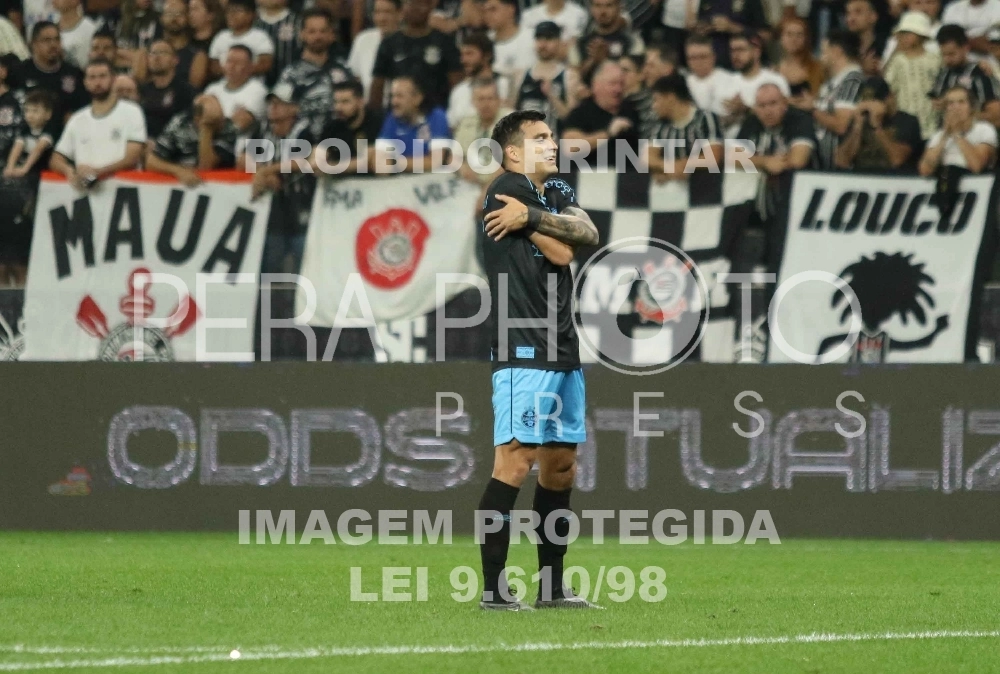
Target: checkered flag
x: 621, y: 311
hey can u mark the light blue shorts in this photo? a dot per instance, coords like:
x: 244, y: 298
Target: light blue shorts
x: 539, y: 406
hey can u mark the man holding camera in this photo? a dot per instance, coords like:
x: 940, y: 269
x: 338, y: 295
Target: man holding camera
x: 880, y: 138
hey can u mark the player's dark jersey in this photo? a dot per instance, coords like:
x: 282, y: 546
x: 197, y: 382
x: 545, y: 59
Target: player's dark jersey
x: 528, y: 272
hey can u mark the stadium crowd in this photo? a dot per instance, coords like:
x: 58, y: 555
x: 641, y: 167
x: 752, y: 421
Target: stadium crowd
x: 178, y: 86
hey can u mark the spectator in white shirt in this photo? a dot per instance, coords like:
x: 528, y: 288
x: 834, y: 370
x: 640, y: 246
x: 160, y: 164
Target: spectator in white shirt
x: 361, y: 61
x: 75, y: 31
x: 976, y: 17
x: 513, y: 47
x: 740, y: 94
x: 240, y: 30
x: 566, y: 14
x: 962, y: 141
x: 708, y: 85
x: 103, y: 138
x: 477, y: 64
x: 241, y: 97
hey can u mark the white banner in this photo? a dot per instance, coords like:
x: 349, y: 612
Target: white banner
x: 98, y: 285
x: 911, y: 270
x: 377, y: 245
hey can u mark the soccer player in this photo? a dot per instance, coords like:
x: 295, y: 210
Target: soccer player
x: 532, y: 224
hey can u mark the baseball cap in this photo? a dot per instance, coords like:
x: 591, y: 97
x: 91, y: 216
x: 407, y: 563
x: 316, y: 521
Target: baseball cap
x: 548, y: 30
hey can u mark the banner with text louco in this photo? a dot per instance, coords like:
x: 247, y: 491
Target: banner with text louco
x: 95, y: 290
x: 915, y: 273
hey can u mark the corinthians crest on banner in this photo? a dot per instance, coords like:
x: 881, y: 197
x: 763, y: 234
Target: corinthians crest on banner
x: 114, y: 273
x: 388, y: 239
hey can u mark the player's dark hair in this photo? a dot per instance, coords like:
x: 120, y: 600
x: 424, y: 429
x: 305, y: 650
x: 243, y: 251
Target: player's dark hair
x: 353, y: 85
x: 41, y: 98
x: 509, y: 130
x: 847, y: 42
x: 317, y: 13
x: 39, y: 27
x: 952, y: 34
x: 676, y: 85
x: 481, y: 41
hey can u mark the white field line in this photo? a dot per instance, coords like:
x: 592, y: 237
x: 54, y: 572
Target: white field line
x: 195, y: 655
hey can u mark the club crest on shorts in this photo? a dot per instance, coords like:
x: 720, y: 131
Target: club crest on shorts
x: 528, y: 418
x: 389, y: 247
x: 119, y: 343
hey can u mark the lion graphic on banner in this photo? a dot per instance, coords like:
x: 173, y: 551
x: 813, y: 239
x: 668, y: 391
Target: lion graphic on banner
x: 885, y: 285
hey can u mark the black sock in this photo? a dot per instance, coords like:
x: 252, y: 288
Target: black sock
x: 499, y: 497
x: 550, y: 554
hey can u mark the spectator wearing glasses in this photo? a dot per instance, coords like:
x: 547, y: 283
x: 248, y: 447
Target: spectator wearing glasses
x: 46, y: 70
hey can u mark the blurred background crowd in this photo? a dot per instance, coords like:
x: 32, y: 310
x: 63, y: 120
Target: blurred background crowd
x: 177, y: 86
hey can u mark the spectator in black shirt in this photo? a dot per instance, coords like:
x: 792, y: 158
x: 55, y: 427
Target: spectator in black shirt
x: 428, y: 55
x: 689, y: 130
x: 192, y: 63
x: 958, y: 70
x: 605, y: 119
x: 608, y: 37
x: 190, y: 143
x: 354, y: 124
x: 284, y: 28
x: 166, y: 93
x: 881, y: 138
x: 722, y: 20
x: 46, y: 70
x: 320, y: 67
x: 782, y: 139
x: 862, y: 20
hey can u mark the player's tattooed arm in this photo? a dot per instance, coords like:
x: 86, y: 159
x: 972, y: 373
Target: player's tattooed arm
x: 571, y: 226
x: 556, y: 252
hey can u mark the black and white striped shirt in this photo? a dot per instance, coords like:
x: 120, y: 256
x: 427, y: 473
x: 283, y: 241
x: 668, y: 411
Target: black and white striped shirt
x: 284, y: 33
x: 702, y: 125
x: 839, y: 92
x: 969, y: 76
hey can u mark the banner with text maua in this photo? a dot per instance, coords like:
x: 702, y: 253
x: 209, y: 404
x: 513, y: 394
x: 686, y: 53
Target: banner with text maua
x: 906, y: 248
x: 375, y: 248
x: 142, y: 268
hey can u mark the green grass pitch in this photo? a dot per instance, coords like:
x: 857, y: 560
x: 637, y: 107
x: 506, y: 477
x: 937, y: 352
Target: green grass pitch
x: 166, y: 603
